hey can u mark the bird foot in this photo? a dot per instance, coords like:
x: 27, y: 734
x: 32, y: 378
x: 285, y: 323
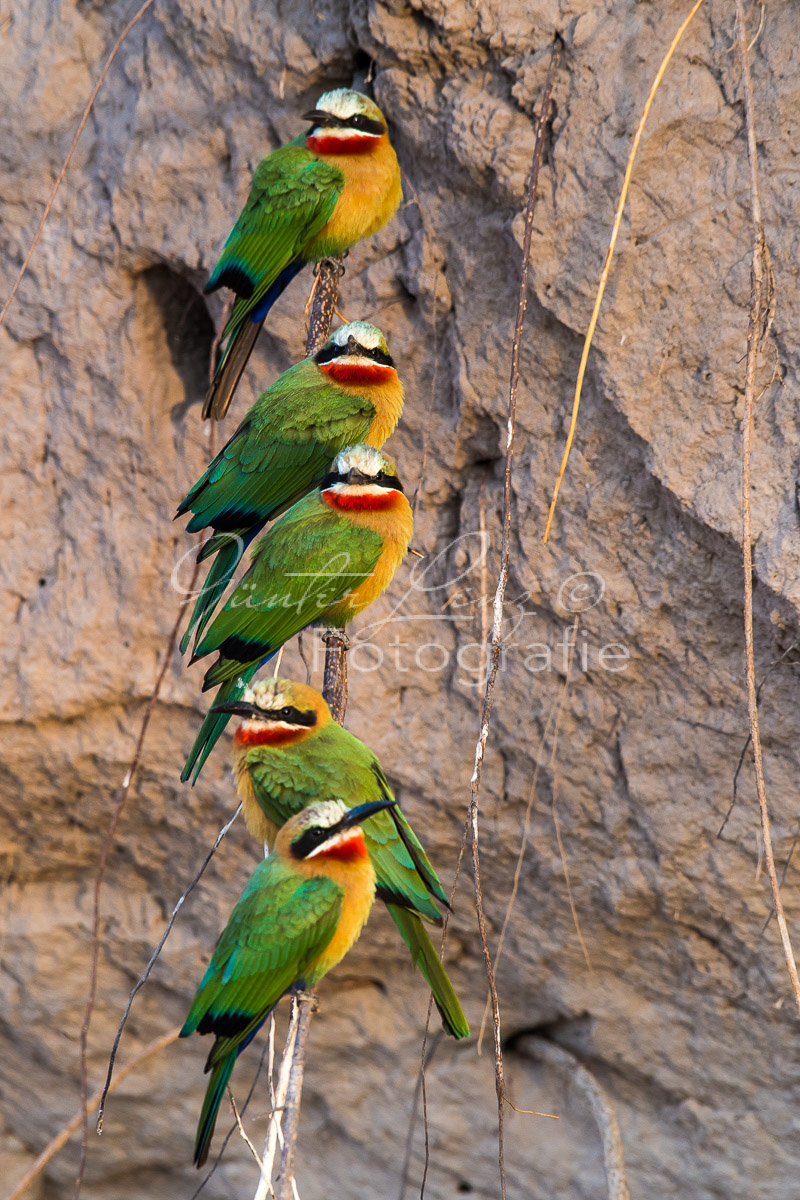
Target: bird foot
x: 333, y: 264
x: 309, y: 997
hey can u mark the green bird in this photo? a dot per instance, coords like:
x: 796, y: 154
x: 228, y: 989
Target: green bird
x: 303, y: 908
x: 324, y: 560
x: 288, y: 754
x: 347, y: 393
x: 317, y: 196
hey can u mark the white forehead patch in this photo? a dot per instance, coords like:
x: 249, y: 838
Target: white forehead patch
x: 366, y: 335
x: 362, y: 458
x: 343, y: 102
x: 264, y: 695
x: 327, y: 813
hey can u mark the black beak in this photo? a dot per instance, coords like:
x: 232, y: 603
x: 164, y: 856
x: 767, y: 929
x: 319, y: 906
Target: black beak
x: 360, y: 813
x: 320, y: 117
x: 241, y: 708
x: 356, y: 476
x: 353, y: 346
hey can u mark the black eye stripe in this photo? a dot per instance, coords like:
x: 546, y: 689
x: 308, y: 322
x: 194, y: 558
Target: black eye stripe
x: 333, y: 351
x: 379, y: 480
x: 289, y: 714
x: 309, y: 839
x: 358, y: 121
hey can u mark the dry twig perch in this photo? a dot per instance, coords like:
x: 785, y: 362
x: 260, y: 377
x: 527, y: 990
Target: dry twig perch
x: 499, y: 596
x: 760, y: 310
x: 326, y: 295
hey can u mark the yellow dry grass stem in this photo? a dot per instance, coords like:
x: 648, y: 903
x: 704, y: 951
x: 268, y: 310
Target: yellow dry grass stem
x: 74, y: 1125
x: 607, y: 265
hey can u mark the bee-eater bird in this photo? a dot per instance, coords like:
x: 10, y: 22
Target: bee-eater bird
x: 288, y: 754
x: 300, y: 913
x: 328, y: 557
x: 316, y: 196
x: 347, y: 393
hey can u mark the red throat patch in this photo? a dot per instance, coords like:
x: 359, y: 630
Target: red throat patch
x: 357, y: 143
x: 363, y: 373
x: 267, y: 735
x: 352, y: 848
x: 361, y: 501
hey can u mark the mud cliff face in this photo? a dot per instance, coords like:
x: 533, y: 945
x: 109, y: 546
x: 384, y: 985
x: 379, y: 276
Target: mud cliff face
x: 685, y: 1015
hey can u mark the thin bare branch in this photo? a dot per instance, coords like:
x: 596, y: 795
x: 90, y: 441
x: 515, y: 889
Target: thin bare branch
x: 609, y: 254
x: 74, y: 1125
x: 746, y: 745
x: 145, y: 975
x: 278, y: 1102
x: 221, y: 1152
x: 556, y: 822
x: 499, y: 598
x: 306, y: 1005
x: 759, y: 305
x: 60, y: 177
x: 323, y: 301
x: 602, y: 1110
x: 531, y: 1112
x: 130, y: 774
x: 526, y: 824
x: 243, y: 1132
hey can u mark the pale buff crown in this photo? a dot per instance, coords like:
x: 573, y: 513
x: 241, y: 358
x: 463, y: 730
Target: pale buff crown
x: 368, y: 336
x: 273, y: 694
x: 365, y: 459
x: 344, y: 103
x: 323, y: 815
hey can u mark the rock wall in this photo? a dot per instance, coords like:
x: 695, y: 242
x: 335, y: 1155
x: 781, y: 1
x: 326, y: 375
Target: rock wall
x: 685, y: 1014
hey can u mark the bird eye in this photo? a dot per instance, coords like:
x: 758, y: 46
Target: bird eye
x: 357, y: 121
x: 286, y: 712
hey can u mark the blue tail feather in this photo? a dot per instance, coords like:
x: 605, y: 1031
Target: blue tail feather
x: 276, y: 289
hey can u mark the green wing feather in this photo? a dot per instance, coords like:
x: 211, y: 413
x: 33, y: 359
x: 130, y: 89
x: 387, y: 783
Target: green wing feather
x: 280, y: 925
x: 286, y: 443
x: 282, y: 448
x: 288, y: 779
x: 337, y: 763
x: 292, y: 196
x: 305, y: 563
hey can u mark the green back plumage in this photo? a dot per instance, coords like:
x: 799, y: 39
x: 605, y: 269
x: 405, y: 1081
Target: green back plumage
x: 333, y: 762
x: 287, y: 779
x: 292, y: 196
x: 285, y: 444
x: 302, y: 566
x: 282, y: 448
x: 281, y: 924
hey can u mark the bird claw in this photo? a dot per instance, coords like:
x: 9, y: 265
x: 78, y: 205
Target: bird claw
x: 336, y: 635
x: 311, y: 998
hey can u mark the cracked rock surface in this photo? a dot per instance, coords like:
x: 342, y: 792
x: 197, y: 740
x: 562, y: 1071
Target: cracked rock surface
x: 680, y: 1005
